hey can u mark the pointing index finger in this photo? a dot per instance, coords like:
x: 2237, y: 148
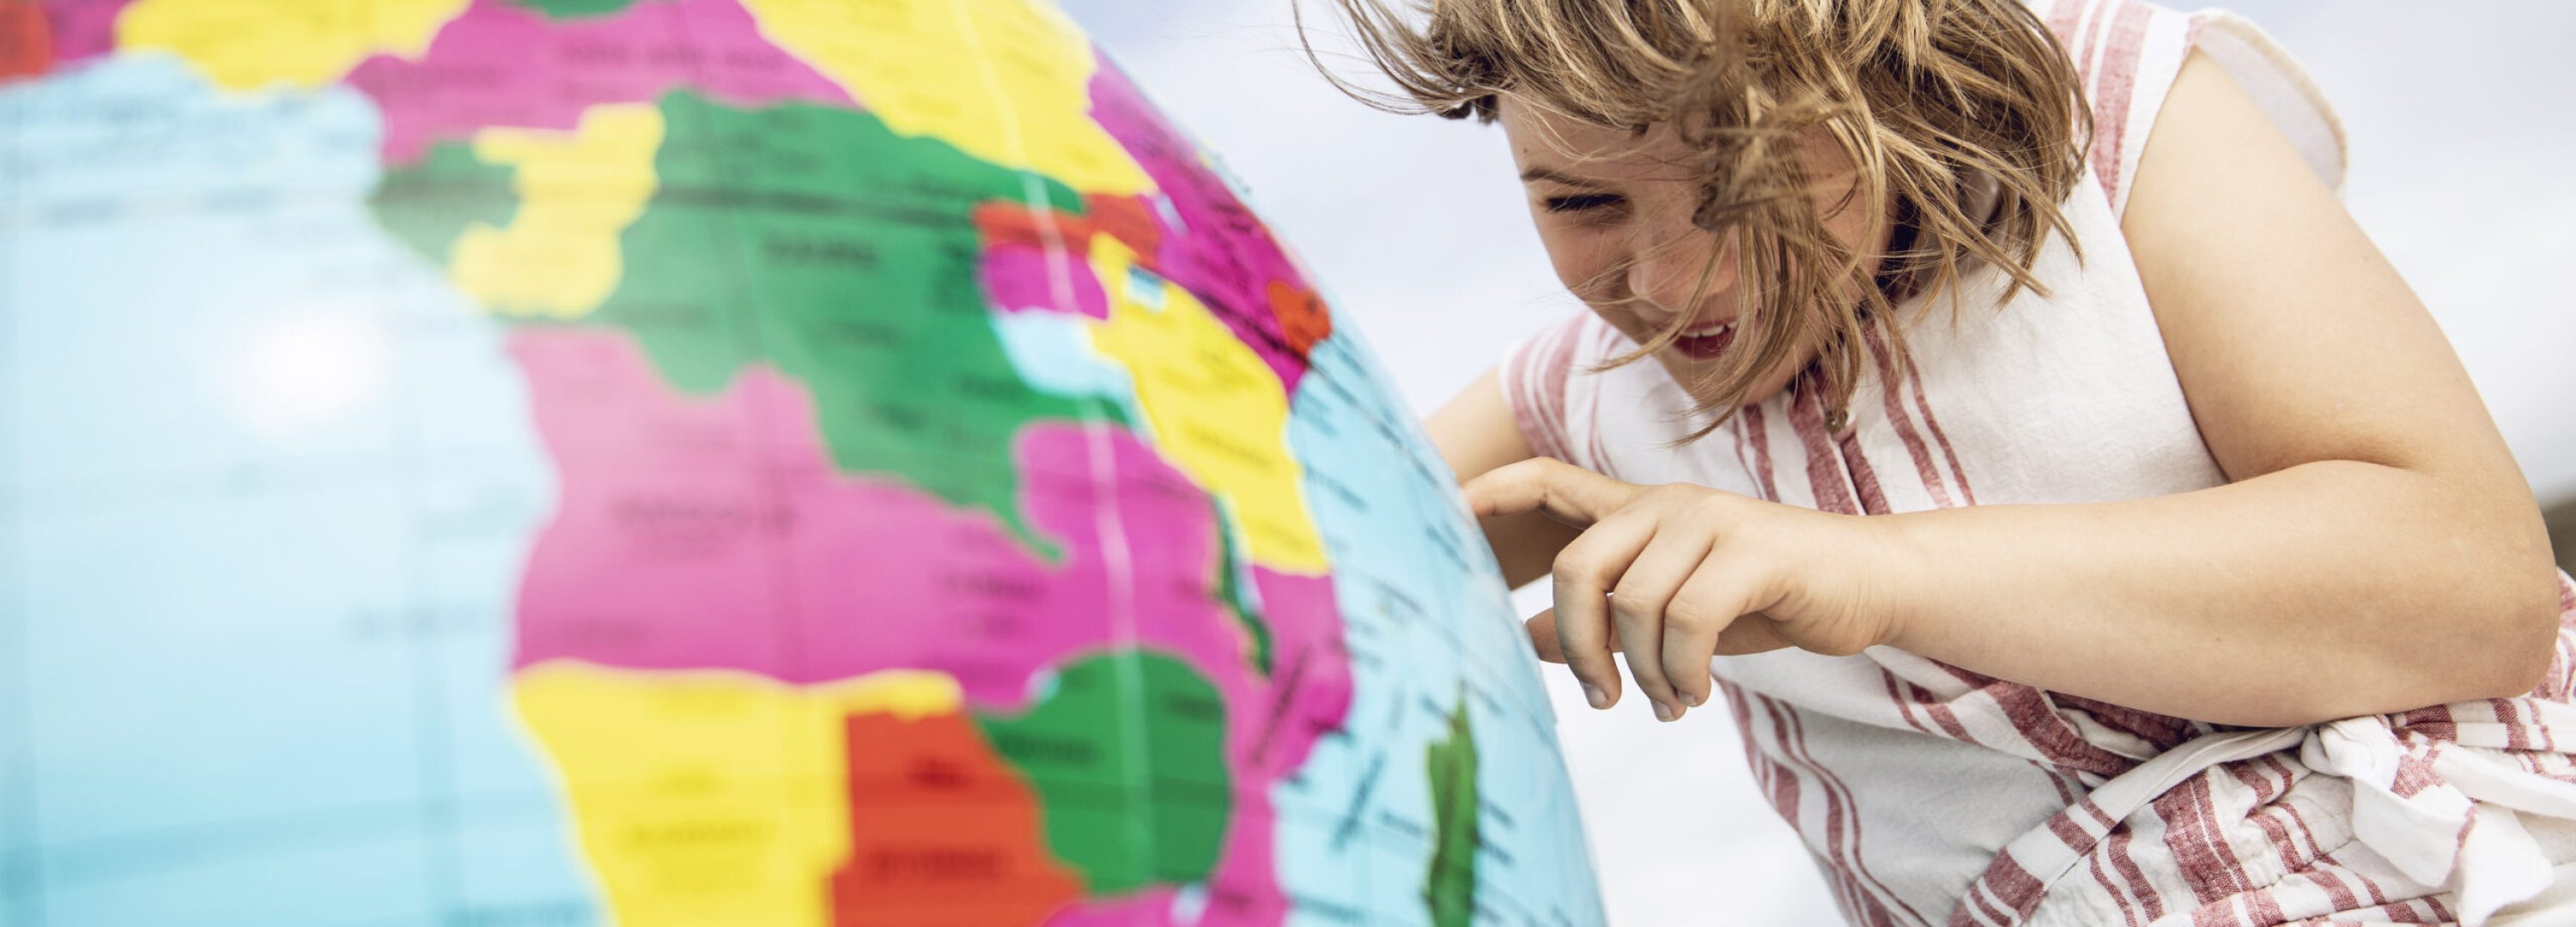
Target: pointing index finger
x: 1565, y: 492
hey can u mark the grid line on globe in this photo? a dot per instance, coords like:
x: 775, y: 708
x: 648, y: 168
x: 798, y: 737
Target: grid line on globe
x: 708, y: 462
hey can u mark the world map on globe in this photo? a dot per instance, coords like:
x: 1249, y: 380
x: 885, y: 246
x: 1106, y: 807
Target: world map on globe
x: 696, y: 462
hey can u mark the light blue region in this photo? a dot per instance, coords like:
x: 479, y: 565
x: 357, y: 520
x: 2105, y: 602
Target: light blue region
x: 1428, y: 622
x: 1053, y: 353
x: 271, y: 484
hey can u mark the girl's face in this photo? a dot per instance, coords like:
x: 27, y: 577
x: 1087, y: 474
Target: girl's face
x: 1614, y: 210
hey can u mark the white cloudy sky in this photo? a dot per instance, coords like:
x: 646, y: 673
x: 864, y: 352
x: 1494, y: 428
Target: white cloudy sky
x: 2457, y: 120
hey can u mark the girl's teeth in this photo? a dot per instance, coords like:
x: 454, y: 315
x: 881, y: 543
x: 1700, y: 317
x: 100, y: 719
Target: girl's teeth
x: 1708, y: 332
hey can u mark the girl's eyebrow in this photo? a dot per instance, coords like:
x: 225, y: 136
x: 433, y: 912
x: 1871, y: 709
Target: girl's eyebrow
x: 1544, y: 172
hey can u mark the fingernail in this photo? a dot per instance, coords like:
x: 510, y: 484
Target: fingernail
x: 1593, y: 694
x: 1695, y: 698
x: 1663, y: 712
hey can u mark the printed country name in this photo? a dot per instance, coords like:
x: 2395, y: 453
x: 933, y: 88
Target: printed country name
x: 127, y: 208
x: 1206, y: 437
x: 1310, y: 908
x: 1339, y: 491
x: 1415, y: 829
x: 1076, y: 751
x: 567, y: 912
x: 786, y: 202
x: 924, y: 862
x: 611, y: 52
x: 676, y: 513
x: 820, y: 249
x: 699, y: 832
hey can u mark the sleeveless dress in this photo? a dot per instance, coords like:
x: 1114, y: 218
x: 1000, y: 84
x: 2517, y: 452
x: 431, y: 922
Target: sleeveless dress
x: 1934, y: 795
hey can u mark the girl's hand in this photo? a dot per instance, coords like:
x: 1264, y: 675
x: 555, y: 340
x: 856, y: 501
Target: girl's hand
x: 1675, y: 574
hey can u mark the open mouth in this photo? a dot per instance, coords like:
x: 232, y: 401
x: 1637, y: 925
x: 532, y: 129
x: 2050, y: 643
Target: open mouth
x: 1706, y: 342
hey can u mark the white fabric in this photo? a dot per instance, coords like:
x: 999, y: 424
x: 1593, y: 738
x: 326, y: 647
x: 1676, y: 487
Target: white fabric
x: 1933, y: 795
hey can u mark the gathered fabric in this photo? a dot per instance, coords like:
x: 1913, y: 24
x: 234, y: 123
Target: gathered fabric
x: 1930, y: 794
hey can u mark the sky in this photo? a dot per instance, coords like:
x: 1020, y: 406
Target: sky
x: 1415, y: 227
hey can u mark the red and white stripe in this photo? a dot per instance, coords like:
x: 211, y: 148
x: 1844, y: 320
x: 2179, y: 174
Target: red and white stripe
x: 1935, y: 795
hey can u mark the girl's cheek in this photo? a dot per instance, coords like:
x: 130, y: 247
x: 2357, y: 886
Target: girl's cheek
x: 1586, y: 262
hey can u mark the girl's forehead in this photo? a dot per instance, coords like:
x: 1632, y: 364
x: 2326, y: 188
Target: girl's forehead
x: 1564, y: 146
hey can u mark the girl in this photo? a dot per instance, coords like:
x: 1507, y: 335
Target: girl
x: 2084, y: 523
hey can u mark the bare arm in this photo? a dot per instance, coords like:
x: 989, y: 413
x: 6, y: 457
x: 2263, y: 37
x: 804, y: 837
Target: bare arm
x: 2377, y: 549
x: 1475, y: 433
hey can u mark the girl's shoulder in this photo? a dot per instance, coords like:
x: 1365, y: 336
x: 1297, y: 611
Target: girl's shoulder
x: 2127, y: 53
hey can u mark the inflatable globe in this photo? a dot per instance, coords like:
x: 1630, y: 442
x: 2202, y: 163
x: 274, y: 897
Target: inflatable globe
x: 707, y: 462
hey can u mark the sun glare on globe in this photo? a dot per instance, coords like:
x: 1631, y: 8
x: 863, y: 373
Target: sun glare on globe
x: 308, y: 372
x: 864, y: 465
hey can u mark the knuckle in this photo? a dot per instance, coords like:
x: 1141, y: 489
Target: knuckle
x: 1690, y: 614
x: 1627, y: 602
x: 1632, y: 599
x: 1634, y: 618
x: 1578, y: 566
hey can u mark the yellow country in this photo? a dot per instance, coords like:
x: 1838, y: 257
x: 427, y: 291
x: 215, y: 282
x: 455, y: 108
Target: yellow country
x: 250, y: 44
x: 1216, y: 410
x: 1006, y: 82
x: 711, y: 796
x: 578, y: 191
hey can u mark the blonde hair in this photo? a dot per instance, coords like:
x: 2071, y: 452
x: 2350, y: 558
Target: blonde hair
x: 1964, y: 115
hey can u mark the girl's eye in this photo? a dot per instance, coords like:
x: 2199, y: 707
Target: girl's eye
x: 1586, y: 202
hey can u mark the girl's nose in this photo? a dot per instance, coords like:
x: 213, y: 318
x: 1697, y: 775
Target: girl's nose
x: 1669, y: 271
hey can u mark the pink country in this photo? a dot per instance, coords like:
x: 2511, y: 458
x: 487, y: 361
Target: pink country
x: 504, y: 65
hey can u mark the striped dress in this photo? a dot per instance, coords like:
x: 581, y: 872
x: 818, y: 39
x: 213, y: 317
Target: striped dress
x: 1934, y: 795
